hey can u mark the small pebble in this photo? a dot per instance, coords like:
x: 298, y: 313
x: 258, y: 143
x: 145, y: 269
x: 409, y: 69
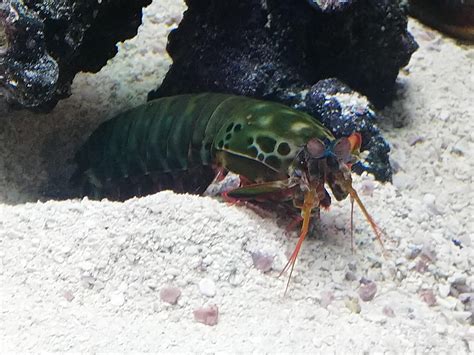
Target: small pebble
x: 400, y: 261
x: 207, y: 287
x: 466, y: 297
x: 117, y: 299
x: 453, y: 291
x: 207, y: 315
x: 412, y: 252
x: 421, y: 266
x: 428, y: 297
x: 170, y: 294
x: 415, y: 140
x: 444, y: 290
x: 326, y: 298
x: 352, y: 303
x: 388, y: 311
x: 350, y: 276
x: 262, y: 261
x: 68, y: 295
x: 367, y: 290
x: 457, y: 279
x: 352, y: 266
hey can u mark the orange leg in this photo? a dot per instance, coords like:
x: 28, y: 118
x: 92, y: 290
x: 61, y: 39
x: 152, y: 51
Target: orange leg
x: 306, y: 211
x: 377, y: 231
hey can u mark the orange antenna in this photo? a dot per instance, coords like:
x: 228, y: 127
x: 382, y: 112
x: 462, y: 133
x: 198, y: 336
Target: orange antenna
x: 306, y: 209
x: 352, y: 224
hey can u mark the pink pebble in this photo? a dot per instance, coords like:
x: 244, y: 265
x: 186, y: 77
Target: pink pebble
x: 388, y: 311
x: 367, y: 290
x: 68, y: 295
x: 428, y: 296
x: 170, y: 294
x: 326, y: 298
x: 206, y: 315
x: 262, y: 261
x: 421, y: 266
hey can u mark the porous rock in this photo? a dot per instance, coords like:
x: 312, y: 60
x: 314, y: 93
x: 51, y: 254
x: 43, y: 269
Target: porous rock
x: 44, y: 43
x: 277, y: 49
x: 330, y: 5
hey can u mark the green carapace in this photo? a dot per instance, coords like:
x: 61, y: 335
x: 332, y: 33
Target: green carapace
x: 172, y: 138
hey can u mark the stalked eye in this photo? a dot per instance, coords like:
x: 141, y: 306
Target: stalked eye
x: 316, y: 148
x: 342, y: 150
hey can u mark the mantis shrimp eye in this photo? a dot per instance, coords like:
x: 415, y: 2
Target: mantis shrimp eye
x: 342, y: 150
x: 316, y: 148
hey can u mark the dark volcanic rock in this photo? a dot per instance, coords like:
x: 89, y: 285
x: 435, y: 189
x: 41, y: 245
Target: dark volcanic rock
x: 330, y: 5
x: 275, y: 49
x: 43, y: 44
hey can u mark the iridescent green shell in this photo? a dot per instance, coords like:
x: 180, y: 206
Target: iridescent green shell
x: 260, y: 139
x: 187, y: 134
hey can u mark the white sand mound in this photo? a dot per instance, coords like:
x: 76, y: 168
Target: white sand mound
x: 87, y: 275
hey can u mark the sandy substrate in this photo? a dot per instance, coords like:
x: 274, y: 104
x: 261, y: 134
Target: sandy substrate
x: 86, y: 275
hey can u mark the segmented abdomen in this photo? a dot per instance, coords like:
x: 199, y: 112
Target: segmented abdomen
x: 150, y: 142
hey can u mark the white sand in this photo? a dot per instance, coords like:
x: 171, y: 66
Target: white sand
x: 86, y: 276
